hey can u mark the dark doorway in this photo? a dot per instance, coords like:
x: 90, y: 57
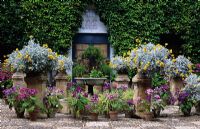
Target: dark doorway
x: 174, y: 42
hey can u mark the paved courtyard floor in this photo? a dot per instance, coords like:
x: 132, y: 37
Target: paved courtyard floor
x: 171, y: 118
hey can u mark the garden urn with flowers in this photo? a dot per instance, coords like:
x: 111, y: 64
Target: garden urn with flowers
x: 148, y: 59
x: 64, y: 64
x: 176, y: 70
x: 119, y: 64
x: 35, y: 61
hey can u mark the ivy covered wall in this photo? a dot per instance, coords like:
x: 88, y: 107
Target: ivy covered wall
x: 56, y: 21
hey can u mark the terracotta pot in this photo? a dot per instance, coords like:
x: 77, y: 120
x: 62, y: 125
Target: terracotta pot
x: 94, y: 116
x: 156, y: 112
x: 34, y: 115
x: 113, y: 115
x: 186, y: 112
x: 20, y: 114
x: 128, y: 114
x: 197, y: 107
x: 148, y: 116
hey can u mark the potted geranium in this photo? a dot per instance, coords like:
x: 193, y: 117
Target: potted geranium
x: 186, y: 101
x: 51, y: 101
x: 94, y: 107
x: 14, y: 97
x: 31, y: 103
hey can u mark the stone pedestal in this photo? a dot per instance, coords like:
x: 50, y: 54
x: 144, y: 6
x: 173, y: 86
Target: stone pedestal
x: 37, y: 82
x: 65, y: 108
x: 97, y: 89
x: 18, y: 79
x: 176, y: 84
x: 121, y: 80
x: 61, y: 82
x: 141, y: 84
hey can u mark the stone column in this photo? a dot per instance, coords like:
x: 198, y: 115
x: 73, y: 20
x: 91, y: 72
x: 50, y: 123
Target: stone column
x: 121, y: 80
x: 18, y: 79
x: 141, y: 84
x: 61, y: 82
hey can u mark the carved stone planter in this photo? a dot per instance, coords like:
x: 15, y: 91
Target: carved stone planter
x: 141, y: 84
x: 61, y: 82
x: 38, y: 82
x: 18, y: 79
x: 122, y: 80
x: 66, y: 108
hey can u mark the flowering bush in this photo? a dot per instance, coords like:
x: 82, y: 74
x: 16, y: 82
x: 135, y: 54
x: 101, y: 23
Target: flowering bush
x: 51, y: 100
x: 149, y: 58
x: 179, y: 67
x: 33, y: 58
x: 64, y: 63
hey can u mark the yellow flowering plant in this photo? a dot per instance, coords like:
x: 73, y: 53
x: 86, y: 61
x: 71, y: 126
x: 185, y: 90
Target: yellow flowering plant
x: 33, y: 58
x: 64, y: 63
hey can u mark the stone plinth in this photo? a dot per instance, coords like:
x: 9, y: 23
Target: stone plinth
x: 18, y: 79
x: 61, y: 82
x: 65, y: 106
x: 37, y: 82
x: 141, y: 84
x: 122, y: 80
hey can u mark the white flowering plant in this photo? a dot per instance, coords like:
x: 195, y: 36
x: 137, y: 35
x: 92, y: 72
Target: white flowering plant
x: 64, y: 63
x: 33, y: 58
x: 149, y: 58
x: 179, y: 67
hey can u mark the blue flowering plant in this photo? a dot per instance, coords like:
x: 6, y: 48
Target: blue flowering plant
x: 33, y: 58
x: 149, y: 58
x: 64, y: 63
x: 179, y: 67
x: 119, y: 64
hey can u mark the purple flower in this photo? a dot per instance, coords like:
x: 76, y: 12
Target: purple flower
x: 88, y: 107
x: 130, y: 102
x: 106, y: 86
x: 149, y: 91
x: 94, y: 98
x: 157, y: 97
x: 85, y: 94
x: 78, y: 89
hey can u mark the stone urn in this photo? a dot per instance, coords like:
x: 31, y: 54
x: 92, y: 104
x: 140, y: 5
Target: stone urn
x: 65, y: 107
x: 141, y: 83
x: 122, y: 80
x: 176, y: 84
x: 38, y: 82
x: 18, y: 79
x: 61, y: 82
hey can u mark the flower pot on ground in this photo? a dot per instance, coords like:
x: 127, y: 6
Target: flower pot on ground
x: 94, y: 107
x: 113, y: 115
x: 129, y: 114
x: 148, y: 116
x: 77, y: 101
x: 94, y: 116
x: 19, y: 112
x: 33, y: 115
x: 186, y: 101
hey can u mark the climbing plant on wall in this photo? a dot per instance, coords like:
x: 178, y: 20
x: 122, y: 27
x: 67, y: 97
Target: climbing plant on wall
x: 56, y: 21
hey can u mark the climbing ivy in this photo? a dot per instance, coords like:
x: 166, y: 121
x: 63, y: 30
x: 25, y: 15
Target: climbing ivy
x: 56, y: 21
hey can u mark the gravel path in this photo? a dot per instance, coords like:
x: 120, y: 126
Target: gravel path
x: 170, y: 118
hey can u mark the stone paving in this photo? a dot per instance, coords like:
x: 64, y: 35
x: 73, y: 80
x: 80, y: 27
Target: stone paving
x: 171, y: 118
